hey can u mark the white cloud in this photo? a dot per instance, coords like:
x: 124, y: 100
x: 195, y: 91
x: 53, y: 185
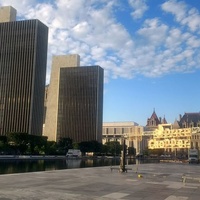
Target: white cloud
x: 193, y: 42
x: 183, y: 14
x: 174, y: 39
x: 97, y: 53
x: 154, y: 31
x: 91, y: 29
x: 139, y: 7
x: 192, y: 20
x: 81, y: 30
x: 176, y: 8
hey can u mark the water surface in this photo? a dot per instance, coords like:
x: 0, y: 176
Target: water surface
x: 9, y: 166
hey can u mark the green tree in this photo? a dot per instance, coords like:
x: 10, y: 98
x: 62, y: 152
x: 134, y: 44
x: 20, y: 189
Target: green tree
x: 25, y: 143
x: 64, y: 144
x: 113, y: 148
x: 90, y: 146
x: 3, y: 139
x: 1, y: 146
x: 51, y: 148
x: 131, y: 151
x: 75, y: 145
x: 104, y: 149
x: 19, y: 141
x: 39, y: 141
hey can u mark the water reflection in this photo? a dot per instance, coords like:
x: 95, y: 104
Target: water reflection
x: 20, y: 166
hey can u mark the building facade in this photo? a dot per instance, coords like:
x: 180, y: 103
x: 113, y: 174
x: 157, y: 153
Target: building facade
x: 23, y: 56
x: 118, y: 131
x: 77, y: 102
x: 45, y: 103
x: 195, y: 138
x: 188, y: 120
x: 169, y: 139
x: 154, y: 121
x: 7, y: 14
x: 175, y: 138
x: 52, y: 93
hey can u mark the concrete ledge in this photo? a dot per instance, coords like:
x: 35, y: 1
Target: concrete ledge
x: 119, y: 169
x: 190, y: 178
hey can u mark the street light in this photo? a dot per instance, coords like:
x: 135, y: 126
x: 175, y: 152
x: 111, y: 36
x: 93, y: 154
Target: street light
x: 115, y: 145
x: 123, y: 156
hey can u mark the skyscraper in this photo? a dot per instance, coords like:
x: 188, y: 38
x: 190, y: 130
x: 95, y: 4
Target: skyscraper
x: 74, y: 106
x: 23, y: 55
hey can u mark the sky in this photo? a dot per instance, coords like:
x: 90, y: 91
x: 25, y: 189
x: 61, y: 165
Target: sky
x: 149, y: 50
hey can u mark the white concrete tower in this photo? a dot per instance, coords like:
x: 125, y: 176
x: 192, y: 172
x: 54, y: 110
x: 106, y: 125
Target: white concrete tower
x: 50, y: 127
x: 7, y: 14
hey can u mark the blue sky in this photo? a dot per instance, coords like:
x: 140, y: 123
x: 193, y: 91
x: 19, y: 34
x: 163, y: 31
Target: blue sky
x: 149, y: 50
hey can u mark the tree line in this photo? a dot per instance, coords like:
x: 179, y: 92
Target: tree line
x: 25, y: 144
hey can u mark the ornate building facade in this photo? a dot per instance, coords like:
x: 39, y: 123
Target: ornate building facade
x: 178, y: 137
x: 154, y: 121
x: 174, y: 138
x: 189, y: 120
x: 169, y: 139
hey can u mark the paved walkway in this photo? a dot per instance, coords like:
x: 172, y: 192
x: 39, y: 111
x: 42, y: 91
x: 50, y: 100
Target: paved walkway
x: 145, y: 182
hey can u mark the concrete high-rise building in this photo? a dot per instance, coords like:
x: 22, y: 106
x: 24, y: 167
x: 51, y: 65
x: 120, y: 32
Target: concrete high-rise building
x: 7, y: 14
x: 52, y: 93
x: 74, y: 101
x: 23, y: 56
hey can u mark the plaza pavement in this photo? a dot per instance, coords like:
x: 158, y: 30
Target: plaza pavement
x: 161, y: 181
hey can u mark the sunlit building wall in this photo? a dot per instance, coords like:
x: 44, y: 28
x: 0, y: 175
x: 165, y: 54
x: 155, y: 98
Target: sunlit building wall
x: 195, y: 138
x: 164, y: 137
x: 7, y: 14
x: 52, y: 93
x: 117, y: 131
x: 74, y: 101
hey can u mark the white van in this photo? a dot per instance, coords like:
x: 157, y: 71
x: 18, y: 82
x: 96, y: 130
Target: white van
x: 74, y: 153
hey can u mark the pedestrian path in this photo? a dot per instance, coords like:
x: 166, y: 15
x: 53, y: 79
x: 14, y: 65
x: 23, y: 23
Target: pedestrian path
x: 161, y: 181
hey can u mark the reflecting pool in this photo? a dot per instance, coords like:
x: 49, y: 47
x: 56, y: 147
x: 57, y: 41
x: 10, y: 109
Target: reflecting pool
x: 9, y: 166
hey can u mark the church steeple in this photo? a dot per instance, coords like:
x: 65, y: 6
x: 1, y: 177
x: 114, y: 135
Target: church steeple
x: 153, y: 121
x: 164, y: 121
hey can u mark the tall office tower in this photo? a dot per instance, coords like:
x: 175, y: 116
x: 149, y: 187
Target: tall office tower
x: 23, y: 55
x: 7, y: 14
x: 75, y: 101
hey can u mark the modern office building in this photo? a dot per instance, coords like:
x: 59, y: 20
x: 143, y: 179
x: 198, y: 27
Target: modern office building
x: 45, y: 103
x: 7, y: 14
x: 23, y: 56
x: 74, y: 101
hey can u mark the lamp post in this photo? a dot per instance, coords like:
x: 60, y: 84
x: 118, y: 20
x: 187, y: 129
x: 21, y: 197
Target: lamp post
x: 123, y: 157
x: 115, y: 145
